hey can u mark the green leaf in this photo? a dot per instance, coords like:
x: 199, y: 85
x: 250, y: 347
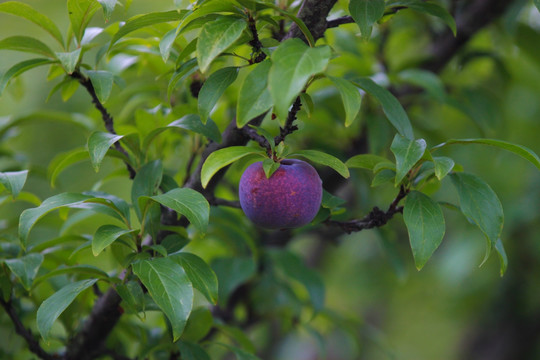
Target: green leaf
x: 231, y: 273
x: 200, y: 274
x: 76, y: 269
x: 443, y: 165
x: 26, y: 44
x: 365, y: 161
x: 138, y: 22
x: 98, y: 144
x: 366, y: 13
x: 188, y: 50
x: 429, y: 8
x: 62, y: 161
x: 293, y: 64
x: 169, y: 286
x: 254, y: 98
x: 324, y: 159
x: 69, y: 60
x: 294, y: 267
x: 351, y: 98
x: 213, y: 88
x: 193, y: 122
x: 105, y: 235
x: 269, y: 167
x: 503, y: 259
x: 29, y: 13
x: 192, y: 351
x: 146, y: 183
x: 183, y: 71
x: 519, y: 150
x: 391, y: 106
x: 132, y: 295
x: 51, y: 308
x: 102, y: 81
x: 30, y: 216
x: 407, y: 153
x: 189, y: 203
x: 20, y: 68
x: 13, y: 181
x: 166, y: 44
x: 108, y: 8
x: 25, y: 268
x: 216, y: 36
x: 223, y: 157
x: 425, y: 79
x: 537, y: 4
x: 382, y: 177
x: 80, y: 14
x: 199, y: 324
x: 425, y: 223
x: 479, y: 203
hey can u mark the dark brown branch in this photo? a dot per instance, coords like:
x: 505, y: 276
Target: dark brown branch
x: 107, y: 118
x: 26, y: 334
x: 261, y: 140
x: 313, y: 13
x: 339, y: 21
x: 289, y: 128
x: 376, y: 218
x: 223, y: 202
x: 255, y: 42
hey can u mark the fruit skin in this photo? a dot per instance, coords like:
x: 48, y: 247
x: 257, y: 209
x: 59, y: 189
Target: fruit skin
x: 290, y: 198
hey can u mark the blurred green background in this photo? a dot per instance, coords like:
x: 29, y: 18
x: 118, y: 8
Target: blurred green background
x: 452, y: 309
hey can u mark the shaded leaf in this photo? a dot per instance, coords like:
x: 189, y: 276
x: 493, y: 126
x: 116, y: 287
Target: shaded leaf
x: 169, y: 286
x: 293, y: 64
x: 139, y: 22
x: 425, y: 223
x: 479, y: 203
x: 69, y: 60
x: 200, y: 274
x: 102, y: 81
x: 254, y: 98
x: 30, y: 216
x: 366, y: 13
x: 216, y: 36
x: 13, y: 181
x: 20, y: 68
x: 80, y: 14
x: 391, y: 106
x: 365, y: 161
x: 108, y: 8
x: 76, y: 269
x: 192, y: 351
x: 146, y: 183
x: 350, y: 96
x: 98, y: 144
x: 26, y: 11
x: 25, y: 268
x: 55, y: 305
x: 407, y: 153
x: 190, y: 122
x: 428, y: 8
x: 231, y: 273
x: 443, y: 165
x: 223, y: 157
x: 213, y: 88
x: 26, y: 44
x: 426, y: 80
x: 188, y: 202
x: 503, y: 259
x: 166, y: 44
x: 519, y: 150
x: 182, y: 72
x: 324, y: 159
x: 62, y: 161
x: 105, y: 235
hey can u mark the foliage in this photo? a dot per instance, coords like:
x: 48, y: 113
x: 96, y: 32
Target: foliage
x: 175, y: 268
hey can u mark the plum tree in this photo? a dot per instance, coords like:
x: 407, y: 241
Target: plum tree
x: 290, y: 198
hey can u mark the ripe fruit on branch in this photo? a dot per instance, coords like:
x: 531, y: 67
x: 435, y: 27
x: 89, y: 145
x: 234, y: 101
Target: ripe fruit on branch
x: 290, y: 198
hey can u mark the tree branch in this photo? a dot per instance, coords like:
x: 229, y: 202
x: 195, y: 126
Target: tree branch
x: 107, y: 118
x: 289, y: 128
x: 339, y: 21
x: 313, y: 13
x: 376, y: 218
x: 25, y: 333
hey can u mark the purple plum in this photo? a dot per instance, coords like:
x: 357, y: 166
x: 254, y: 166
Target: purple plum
x: 290, y: 198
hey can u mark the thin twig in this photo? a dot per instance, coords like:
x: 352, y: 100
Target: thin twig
x: 257, y: 55
x: 33, y: 344
x: 261, y: 140
x: 223, y: 202
x: 289, y: 128
x: 376, y: 218
x: 339, y: 21
x: 107, y: 118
